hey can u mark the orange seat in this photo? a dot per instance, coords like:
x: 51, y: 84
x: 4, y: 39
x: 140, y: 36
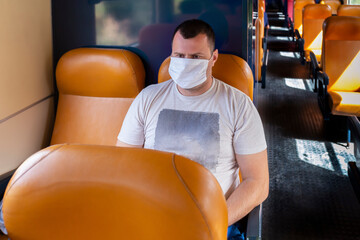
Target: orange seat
x: 298, y: 10
x: 334, y: 4
x: 106, y: 192
x: 96, y: 88
x: 313, y: 18
x: 259, y: 51
x: 229, y: 68
x: 340, y: 61
x: 260, y: 45
x: 349, y: 10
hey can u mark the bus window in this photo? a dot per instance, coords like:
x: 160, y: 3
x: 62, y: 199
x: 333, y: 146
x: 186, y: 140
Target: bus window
x: 354, y: 2
x: 119, y: 22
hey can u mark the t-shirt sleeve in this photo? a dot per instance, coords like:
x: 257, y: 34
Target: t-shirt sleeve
x: 132, y: 130
x: 249, y: 137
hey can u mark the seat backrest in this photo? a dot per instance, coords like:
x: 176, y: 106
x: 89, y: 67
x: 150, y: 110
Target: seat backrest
x: 341, y: 53
x: 106, y: 192
x: 96, y: 87
x: 334, y: 4
x: 313, y: 19
x: 259, y: 51
x: 349, y: 10
x: 229, y: 68
x: 298, y: 10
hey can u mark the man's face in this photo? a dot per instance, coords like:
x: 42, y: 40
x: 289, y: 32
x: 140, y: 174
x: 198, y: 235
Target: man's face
x: 194, y: 48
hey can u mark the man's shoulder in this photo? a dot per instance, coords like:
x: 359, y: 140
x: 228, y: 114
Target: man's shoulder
x: 226, y: 89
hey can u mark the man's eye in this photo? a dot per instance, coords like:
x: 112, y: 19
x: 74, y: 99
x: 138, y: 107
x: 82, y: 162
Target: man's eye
x: 196, y: 57
x: 180, y: 55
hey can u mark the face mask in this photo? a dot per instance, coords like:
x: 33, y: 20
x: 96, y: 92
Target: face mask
x: 188, y: 73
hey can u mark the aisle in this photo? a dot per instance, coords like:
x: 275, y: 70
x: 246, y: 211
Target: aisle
x: 310, y: 193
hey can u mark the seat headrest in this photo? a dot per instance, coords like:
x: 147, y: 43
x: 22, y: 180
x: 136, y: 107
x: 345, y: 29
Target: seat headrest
x: 103, y: 192
x: 341, y: 28
x: 229, y: 68
x: 317, y: 11
x: 300, y: 4
x: 349, y: 10
x: 100, y: 72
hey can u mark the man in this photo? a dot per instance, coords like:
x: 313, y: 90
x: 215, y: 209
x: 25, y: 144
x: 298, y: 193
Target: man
x: 204, y: 119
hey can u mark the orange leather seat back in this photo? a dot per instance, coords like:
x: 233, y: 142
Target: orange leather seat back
x: 298, y: 11
x: 229, y: 68
x: 341, y: 57
x: 105, y: 192
x: 349, y: 10
x: 100, y: 72
x: 334, y: 4
x: 259, y: 51
x: 96, y: 87
x: 313, y: 19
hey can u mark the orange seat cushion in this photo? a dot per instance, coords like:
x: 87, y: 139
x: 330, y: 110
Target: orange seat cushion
x: 345, y: 103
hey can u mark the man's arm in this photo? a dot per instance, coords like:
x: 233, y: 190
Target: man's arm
x: 254, y: 187
x: 122, y: 144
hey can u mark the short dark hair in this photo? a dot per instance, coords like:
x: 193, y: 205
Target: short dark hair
x: 192, y: 28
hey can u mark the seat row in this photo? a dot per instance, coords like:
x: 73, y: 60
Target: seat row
x: 310, y: 33
x: 338, y: 74
x: 261, y: 52
x: 332, y: 44
x: 86, y: 188
x: 295, y: 10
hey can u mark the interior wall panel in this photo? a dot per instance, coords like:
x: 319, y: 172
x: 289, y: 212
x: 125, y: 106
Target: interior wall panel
x: 25, y: 134
x: 26, y: 70
x: 25, y: 53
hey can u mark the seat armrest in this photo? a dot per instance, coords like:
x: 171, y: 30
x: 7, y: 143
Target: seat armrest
x: 323, y: 81
x: 314, y: 62
x: 323, y: 78
x: 354, y: 176
x: 355, y: 132
x: 323, y: 96
x: 297, y: 34
x: 300, y: 44
x: 253, y: 228
x: 314, y: 68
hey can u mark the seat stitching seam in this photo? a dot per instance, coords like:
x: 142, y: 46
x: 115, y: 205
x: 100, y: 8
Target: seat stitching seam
x: 190, y: 193
x: 12, y: 184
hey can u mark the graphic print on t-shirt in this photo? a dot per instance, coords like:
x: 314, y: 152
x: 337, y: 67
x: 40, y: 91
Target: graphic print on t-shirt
x: 194, y: 135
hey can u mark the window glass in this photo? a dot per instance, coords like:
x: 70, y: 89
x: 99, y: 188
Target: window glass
x: 119, y: 22
x: 354, y: 2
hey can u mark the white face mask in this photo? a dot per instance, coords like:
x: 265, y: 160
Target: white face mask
x: 188, y: 73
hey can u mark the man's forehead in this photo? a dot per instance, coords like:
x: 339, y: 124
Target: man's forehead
x: 197, y: 44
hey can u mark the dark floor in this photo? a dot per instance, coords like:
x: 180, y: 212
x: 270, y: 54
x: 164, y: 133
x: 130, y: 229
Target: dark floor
x: 310, y: 194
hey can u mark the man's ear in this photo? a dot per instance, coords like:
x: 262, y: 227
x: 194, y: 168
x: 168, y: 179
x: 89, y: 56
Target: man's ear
x: 215, y: 56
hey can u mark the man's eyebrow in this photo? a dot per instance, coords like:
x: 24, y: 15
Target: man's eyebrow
x: 198, y: 53
x: 192, y: 54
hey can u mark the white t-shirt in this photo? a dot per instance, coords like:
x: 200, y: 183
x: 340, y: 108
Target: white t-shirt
x: 209, y: 128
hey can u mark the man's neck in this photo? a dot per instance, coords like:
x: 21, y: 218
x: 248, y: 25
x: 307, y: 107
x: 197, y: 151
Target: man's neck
x: 198, y: 90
